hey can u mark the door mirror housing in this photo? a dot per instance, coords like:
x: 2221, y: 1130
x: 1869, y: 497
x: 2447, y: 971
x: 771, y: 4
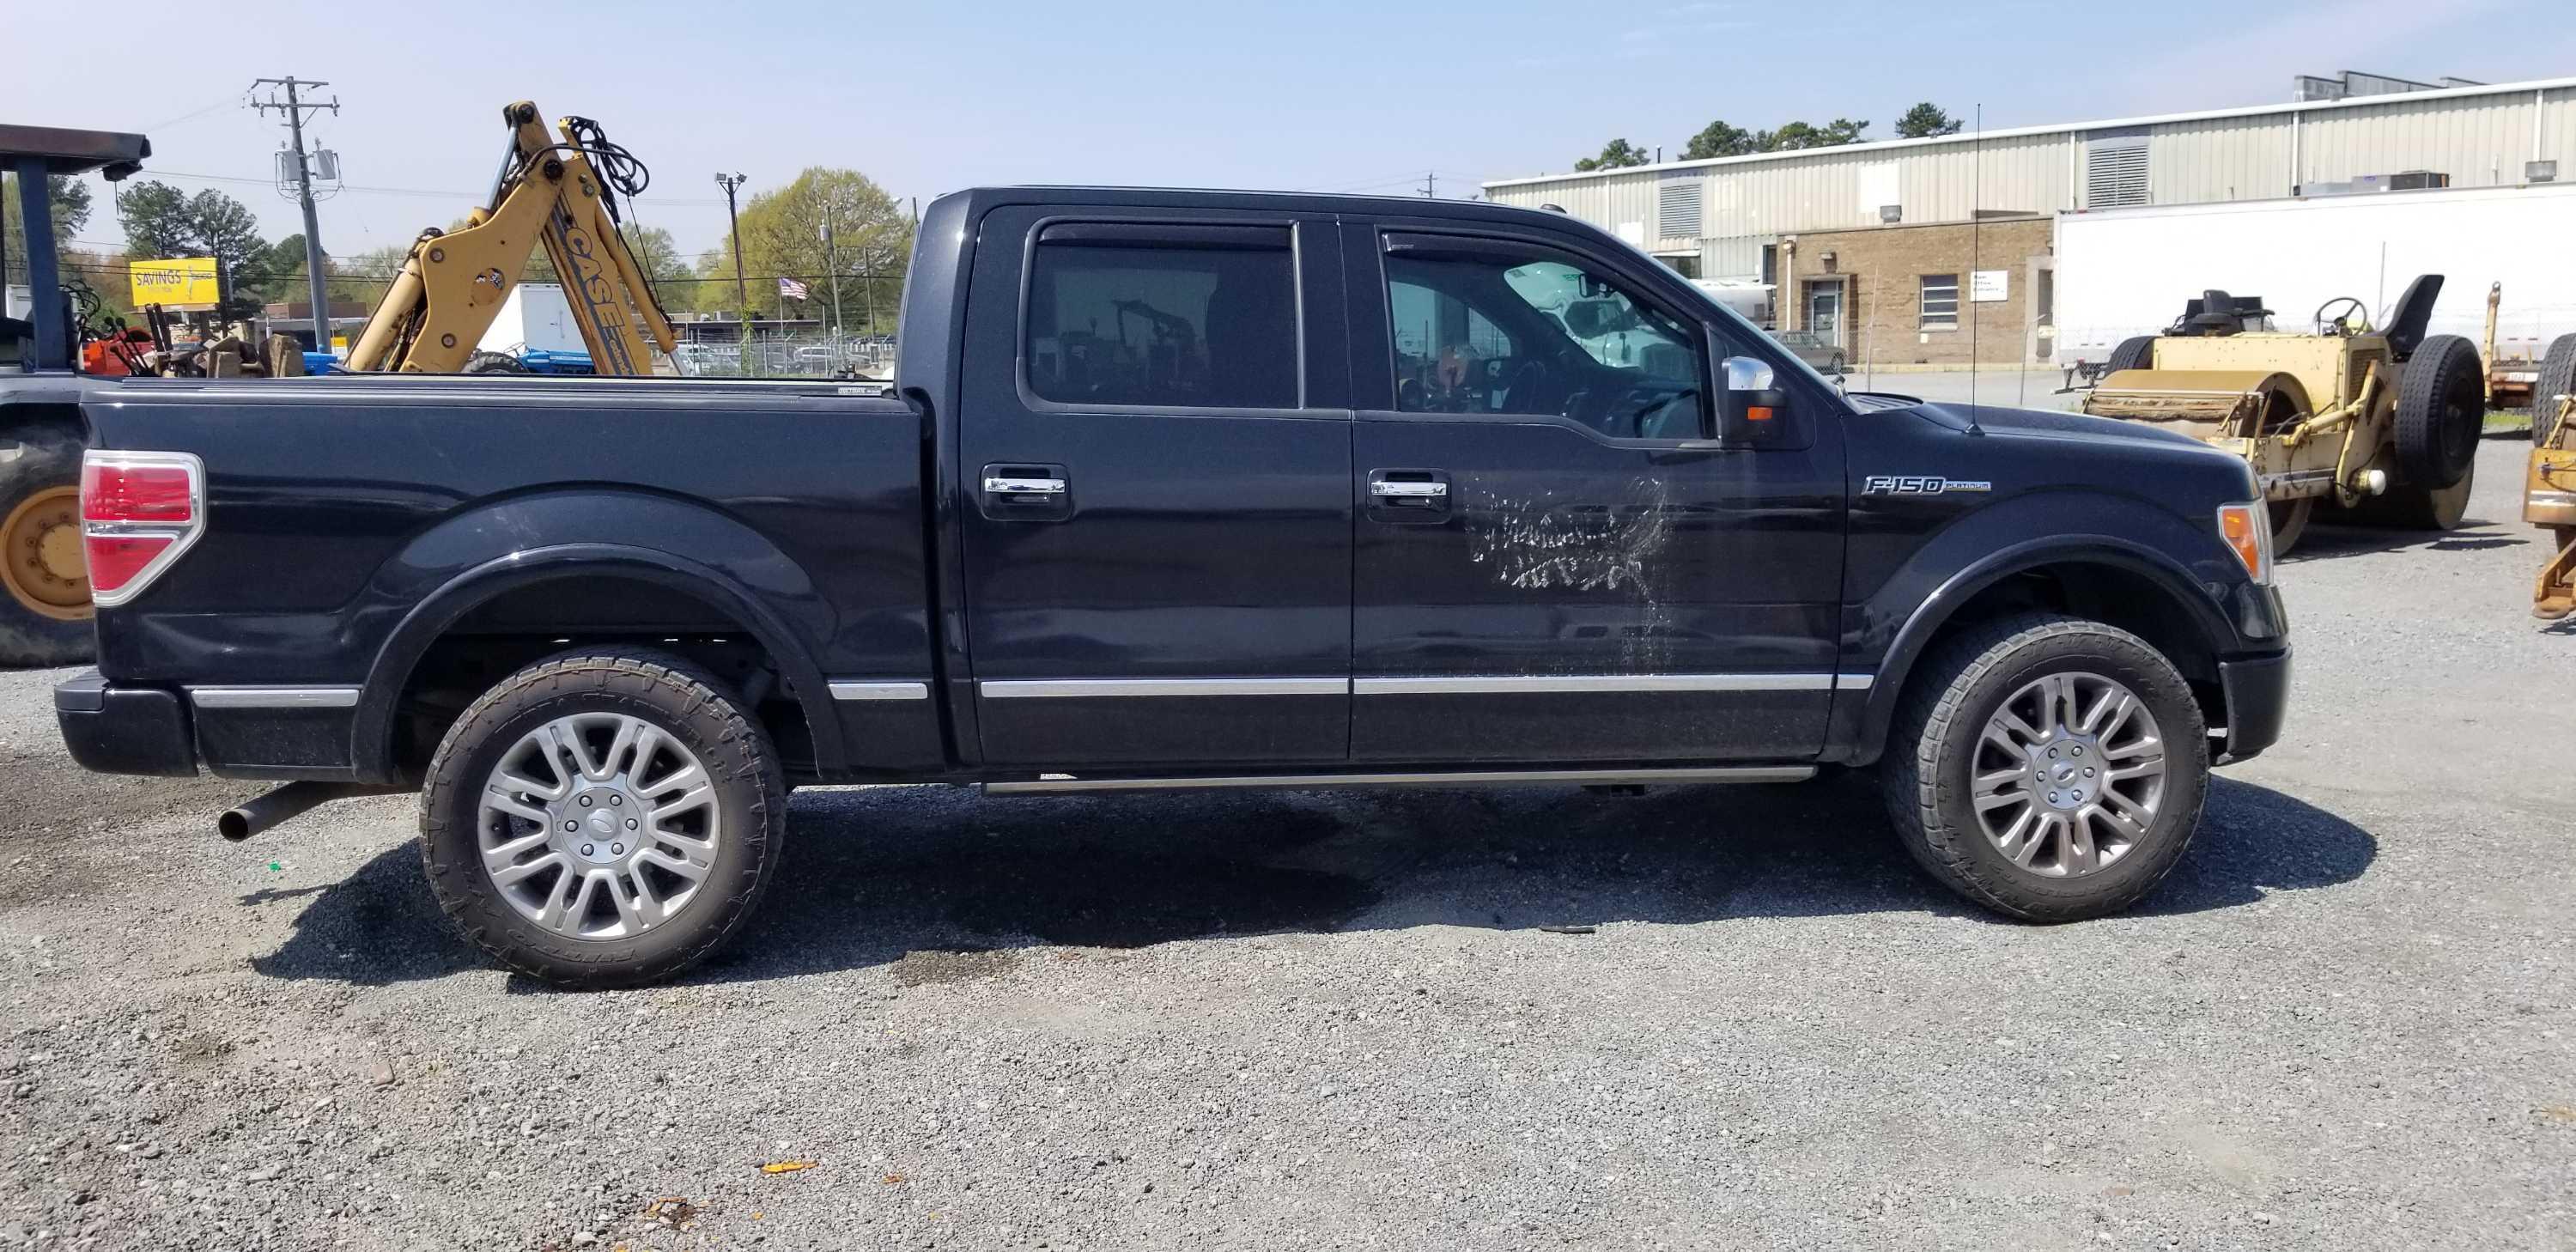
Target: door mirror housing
x: 1751, y: 406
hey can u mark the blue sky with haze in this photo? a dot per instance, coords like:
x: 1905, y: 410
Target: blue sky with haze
x: 1329, y: 94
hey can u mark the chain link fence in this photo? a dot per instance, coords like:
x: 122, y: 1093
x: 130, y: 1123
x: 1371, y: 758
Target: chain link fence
x: 789, y: 356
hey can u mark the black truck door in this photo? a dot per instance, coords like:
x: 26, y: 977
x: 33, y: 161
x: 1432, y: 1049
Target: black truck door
x: 1555, y: 561
x: 1157, y: 510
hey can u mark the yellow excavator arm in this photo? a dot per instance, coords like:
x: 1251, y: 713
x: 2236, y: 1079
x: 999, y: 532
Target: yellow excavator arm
x: 550, y: 194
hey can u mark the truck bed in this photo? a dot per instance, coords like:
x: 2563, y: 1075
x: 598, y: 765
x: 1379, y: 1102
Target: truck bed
x: 363, y: 496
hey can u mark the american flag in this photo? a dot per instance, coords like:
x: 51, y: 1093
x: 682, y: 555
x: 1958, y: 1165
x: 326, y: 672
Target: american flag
x: 791, y: 289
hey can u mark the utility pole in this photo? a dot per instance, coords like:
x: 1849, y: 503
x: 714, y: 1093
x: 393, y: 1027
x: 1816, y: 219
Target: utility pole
x: 294, y: 107
x: 741, y: 293
x: 832, y: 263
x: 1430, y: 184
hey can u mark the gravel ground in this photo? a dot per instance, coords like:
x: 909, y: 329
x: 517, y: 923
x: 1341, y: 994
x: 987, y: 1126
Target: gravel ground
x: 1342, y: 1019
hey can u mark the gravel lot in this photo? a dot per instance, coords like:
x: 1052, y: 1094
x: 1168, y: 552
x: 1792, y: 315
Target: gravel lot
x: 1341, y: 1020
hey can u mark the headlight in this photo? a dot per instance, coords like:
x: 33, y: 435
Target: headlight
x: 2247, y: 529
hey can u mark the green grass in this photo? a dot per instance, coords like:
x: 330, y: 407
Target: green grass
x: 2509, y: 421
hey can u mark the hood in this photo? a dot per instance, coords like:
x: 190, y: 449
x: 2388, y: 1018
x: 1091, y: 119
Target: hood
x: 2052, y: 424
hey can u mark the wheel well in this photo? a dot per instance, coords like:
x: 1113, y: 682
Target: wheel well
x: 582, y: 612
x: 2114, y: 596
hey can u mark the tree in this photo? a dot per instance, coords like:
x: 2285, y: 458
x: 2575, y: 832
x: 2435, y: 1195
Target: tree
x: 1618, y: 154
x: 162, y: 222
x: 783, y: 236
x: 1799, y: 136
x: 1718, y: 139
x: 69, y: 202
x: 1926, y: 121
x: 364, y: 277
x: 659, y: 259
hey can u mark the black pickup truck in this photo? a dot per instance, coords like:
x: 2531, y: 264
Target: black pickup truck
x: 1171, y: 489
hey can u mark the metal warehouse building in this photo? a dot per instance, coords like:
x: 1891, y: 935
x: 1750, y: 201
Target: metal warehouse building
x: 1727, y: 218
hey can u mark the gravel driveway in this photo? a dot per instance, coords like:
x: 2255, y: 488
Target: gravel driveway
x: 1344, y: 1019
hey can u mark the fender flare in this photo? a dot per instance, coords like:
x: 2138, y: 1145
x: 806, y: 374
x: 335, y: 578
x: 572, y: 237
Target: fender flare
x: 371, y: 731
x: 1865, y: 736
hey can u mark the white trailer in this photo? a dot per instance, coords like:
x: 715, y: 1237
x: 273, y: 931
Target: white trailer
x: 534, y: 317
x: 2124, y: 272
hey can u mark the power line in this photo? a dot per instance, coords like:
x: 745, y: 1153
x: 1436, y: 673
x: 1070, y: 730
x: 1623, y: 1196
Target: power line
x: 473, y: 197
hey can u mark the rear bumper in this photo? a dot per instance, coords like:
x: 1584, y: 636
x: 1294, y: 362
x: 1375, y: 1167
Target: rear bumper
x: 115, y: 729
x: 2258, y: 701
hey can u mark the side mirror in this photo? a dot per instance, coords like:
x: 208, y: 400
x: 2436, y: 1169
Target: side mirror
x: 1751, y: 406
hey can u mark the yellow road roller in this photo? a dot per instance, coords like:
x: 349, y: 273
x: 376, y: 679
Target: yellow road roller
x: 2381, y: 424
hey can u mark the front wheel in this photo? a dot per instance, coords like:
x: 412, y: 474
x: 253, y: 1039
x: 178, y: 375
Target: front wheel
x: 2049, y: 768
x: 602, y: 820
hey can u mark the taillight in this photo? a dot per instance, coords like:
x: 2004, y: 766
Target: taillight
x: 139, y: 512
x: 2247, y: 528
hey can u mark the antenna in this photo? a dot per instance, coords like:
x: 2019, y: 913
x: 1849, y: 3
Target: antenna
x: 1976, y: 254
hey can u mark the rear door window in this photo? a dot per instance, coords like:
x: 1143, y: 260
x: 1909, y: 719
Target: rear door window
x: 1198, y: 318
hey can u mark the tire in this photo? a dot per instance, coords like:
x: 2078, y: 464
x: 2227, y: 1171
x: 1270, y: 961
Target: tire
x: 45, y: 619
x: 494, y: 363
x: 1836, y: 368
x: 2135, y: 353
x: 2289, y: 522
x: 1939, y: 738
x: 2557, y: 378
x: 2441, y: 410
x: 743, y: 815
x: 2417, y: 508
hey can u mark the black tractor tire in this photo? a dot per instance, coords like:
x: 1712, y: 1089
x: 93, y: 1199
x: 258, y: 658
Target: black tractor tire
x: 2136, y: 353
x: 2408, y: 507
x: 2441, y: 411
x: 1934, y: 744
x: 494, y: 363
x: 699, y: 714
x: 35, y: 471
x: 2557, y: 378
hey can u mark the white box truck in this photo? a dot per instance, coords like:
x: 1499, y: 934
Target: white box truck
x: 2124, y: 272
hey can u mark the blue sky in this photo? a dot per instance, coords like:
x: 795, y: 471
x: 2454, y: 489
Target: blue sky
x: 1329, y: 94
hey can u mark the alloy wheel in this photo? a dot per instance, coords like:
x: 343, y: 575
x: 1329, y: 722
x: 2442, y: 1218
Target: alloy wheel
x: 2069, y: 774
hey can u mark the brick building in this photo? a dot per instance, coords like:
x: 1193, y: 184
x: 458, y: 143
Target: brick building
x: 1899, y: 296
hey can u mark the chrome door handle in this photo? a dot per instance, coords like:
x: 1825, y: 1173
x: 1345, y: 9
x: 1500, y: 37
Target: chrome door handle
x: 1386, y: 490
x: 1024, y: 486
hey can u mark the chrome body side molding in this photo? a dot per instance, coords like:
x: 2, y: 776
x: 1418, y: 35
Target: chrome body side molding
x: 1469, y: 778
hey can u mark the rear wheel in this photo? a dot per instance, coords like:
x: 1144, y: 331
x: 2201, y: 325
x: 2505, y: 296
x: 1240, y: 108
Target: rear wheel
x: 2441, y: 411
x: 602, y: 820
x: 2138, y: 353
x: 2557, y: 378
x: 44, y: 580
x: 2047, y: 767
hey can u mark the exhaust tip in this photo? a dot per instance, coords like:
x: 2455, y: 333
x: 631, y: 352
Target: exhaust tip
x: 234, y: 825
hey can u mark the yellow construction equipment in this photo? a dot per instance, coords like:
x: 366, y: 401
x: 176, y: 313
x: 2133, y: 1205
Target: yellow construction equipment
x: 2549, y: 491
x: 559, y: 194
x: 2382, y: 423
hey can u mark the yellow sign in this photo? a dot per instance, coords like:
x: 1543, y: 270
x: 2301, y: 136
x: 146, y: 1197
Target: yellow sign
x: 185, y: 281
